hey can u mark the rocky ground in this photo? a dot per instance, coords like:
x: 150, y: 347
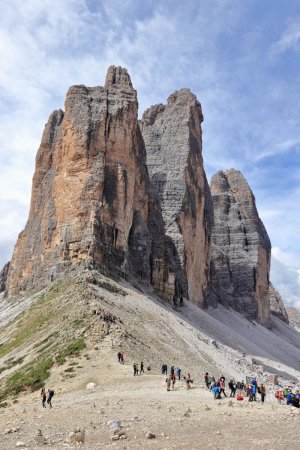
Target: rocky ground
x: 179, y: 419
x: 219, y: 341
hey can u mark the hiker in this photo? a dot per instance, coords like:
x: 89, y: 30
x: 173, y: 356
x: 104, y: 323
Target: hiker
x: 296, y: 400
x: 188, y: 381
x: 173, y: 381
x: 178, y: 372
x: 44, y: 397
x: 164, y: 369
x: 262, y: 392
x: 206, y: 380
x: 254, y: 389
x: 172, y: 371
x: 232, y: 386
x: 50, y: 396
x: 216, y: 391
x: 135, y: 370
x: 168, y: 382
x: 142, y: 367
x: 122, y: 358
x: 289, y: 397
x: 119, y: 357
x: 222, y: 387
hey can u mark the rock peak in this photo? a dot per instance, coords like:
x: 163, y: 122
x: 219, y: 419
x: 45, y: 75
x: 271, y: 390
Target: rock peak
x: 117, y: 76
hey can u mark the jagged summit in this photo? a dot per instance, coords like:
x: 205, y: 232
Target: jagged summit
x: 117, y: 76
x: 130, y: 198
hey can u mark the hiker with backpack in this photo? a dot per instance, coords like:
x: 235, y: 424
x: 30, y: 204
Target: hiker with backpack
x: 50, y: 396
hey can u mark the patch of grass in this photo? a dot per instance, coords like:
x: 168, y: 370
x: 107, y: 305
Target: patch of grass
x: 77, y: 323
x: 46, y: 340
x: 11, y: 362
x: 3, y: 405
x: 72, y: 349
x: 32, y: 377
x: 30, y: 322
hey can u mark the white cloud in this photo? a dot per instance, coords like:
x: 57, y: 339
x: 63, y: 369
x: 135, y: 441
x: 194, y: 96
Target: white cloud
x: 286, y: 278
x: 289, y: 40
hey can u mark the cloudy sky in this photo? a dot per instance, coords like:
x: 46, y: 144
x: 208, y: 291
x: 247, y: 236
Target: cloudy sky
x: 241, y: 58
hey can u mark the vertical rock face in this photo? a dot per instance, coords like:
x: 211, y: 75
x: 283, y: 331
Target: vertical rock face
x: 276, y: 304
x: 173, y: 140
x: 3, y: 277
x: 241, y: 248
x: 90, y: 196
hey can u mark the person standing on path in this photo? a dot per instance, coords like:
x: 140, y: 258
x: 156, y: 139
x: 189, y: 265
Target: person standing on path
x: 222, y: 387
x: 142, y: 367
x: 44, y: 397
x: 50, y: 396
x: 178, y: 372
x: 262, y: 392
x: 135, y: 369
x: 206, y: 380
x: 168, y: 383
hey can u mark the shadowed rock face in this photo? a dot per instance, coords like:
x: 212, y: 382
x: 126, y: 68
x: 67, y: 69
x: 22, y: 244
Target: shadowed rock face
x: 3, y: 277
x: 90, y: 199
x: 173, y: 140
x: 241, y: 248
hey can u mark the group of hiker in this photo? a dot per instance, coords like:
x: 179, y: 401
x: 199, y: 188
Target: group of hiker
x: 106, y: 316
x: 175, y: 374
x: 287, y: 395
x: 249, y: 389
x: 47, y: 397
x: 136, y: 370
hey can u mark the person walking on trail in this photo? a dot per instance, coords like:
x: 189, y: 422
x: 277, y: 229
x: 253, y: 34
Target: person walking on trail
x: 206, y: 380
x: 44, y: 397
x: 188, y: 381
x: 173, y: 382
x: 168, y: 383
x: 178, y: 372
x: 222, y: 387
x: 232, y: 387
x: 50, y: 396
x: 135, y: 369
x: 122, y: 357
x: 142, y: 367
x: 262, y: 392
x: 172, y: 371
x: 119, y: 357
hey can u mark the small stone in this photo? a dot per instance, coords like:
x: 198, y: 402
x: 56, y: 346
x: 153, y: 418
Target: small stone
x: 218, y: 433
x: 90, y: 386
x: 20, y: 444
x: 150, y: 435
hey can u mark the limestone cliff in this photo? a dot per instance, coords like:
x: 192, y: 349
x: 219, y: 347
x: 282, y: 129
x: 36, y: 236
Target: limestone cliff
x: 173, y: 140
x: 3, y: 277
x: 90, y: 199
x: 241, y: 247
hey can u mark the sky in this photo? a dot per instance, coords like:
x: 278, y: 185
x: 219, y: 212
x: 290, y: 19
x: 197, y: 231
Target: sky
x: 241, y: 59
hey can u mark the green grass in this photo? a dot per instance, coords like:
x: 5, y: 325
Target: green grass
x: 30, y: 322
x: 11, y: 362
x: 72, y: 349
x: 31, y: 377
x: 3, y: 405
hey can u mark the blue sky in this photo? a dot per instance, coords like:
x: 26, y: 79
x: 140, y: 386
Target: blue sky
x: 241, y: 58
